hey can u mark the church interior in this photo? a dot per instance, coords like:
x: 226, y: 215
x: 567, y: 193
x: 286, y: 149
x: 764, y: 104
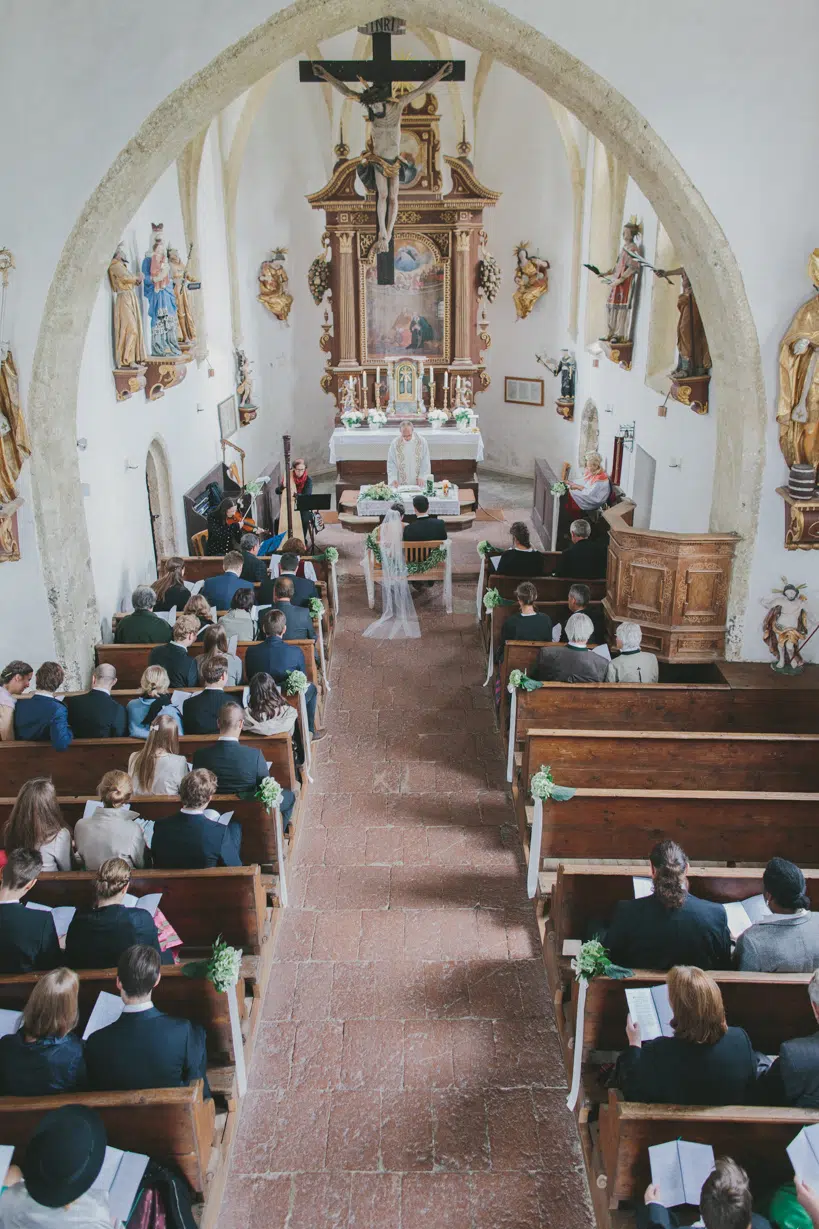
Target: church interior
x: 278, y: 284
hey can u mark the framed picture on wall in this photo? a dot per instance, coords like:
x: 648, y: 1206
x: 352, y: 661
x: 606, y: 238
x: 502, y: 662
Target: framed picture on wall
x: 228, y: 417
x: 519, y: 391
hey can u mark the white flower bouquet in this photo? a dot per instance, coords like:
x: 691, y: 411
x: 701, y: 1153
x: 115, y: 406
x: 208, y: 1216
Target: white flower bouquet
x: 463, y: 417
x: 377, y: 418
x: 437, y: 417
x: 352, y: 419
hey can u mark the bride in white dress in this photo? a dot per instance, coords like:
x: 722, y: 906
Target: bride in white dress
x: 398, y: 619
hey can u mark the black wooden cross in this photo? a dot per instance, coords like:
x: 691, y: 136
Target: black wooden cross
x: 382, y: 69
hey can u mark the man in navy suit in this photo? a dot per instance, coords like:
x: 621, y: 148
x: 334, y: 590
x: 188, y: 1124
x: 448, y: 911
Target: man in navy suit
x: 28, y: 940
x: 219, y: 590
x: 95, y: 714
x: 237, y: 769
x: 253, y: 568
x: 189, y: 840
x: 299, y: 622
x: 182, y: 669
x: 200, y: 714
x: 277, y: 658
x: 424, y: 528
x: 43, y: 716
x: 144, y: 1048
x: 303, y: 589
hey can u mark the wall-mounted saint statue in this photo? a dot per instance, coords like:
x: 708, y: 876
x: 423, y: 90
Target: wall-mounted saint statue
x: 531, y: 279
x: 624, y: 279
x: 693, y: 355
x: 785, y: 627
x: 566, y: 368
x: 157, y: 286
x: 273, y: 283
x: 797, y: 411
x: 186, y: 329
x: 129, y: 343
x: 244, y: 389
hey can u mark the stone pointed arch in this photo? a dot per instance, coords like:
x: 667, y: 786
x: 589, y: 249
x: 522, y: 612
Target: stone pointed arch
x: 696, y: 234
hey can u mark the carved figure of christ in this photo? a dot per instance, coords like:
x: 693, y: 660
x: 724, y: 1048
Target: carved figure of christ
x: 384, y: 113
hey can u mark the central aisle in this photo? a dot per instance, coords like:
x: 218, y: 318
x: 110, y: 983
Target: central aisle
x: 408, y: 1073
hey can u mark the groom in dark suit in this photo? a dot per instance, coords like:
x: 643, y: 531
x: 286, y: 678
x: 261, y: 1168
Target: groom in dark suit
x: 424, y: 528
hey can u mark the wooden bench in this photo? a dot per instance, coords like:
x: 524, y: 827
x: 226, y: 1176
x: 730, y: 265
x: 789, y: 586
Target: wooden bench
x: 130, y: 660
x: 77, y: 770
x: 174, y: 1125
x: 202, y: 567
x: 555, y: 610
x: 492, y: 580
x: 755, y: 1137
x: 414, y: 552
x: 326, y: 625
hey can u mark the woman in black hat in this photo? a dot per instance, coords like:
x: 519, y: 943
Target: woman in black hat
x: 63, y: 1158
x: 786, y: 941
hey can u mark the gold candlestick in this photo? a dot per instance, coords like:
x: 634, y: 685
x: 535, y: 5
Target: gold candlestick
x: 364, y: 389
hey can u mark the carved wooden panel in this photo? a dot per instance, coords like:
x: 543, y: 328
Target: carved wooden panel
x: 644, y: 590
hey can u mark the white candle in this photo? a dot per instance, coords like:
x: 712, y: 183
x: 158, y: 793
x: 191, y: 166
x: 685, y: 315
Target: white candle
x: 446, y: 378
x: 378, y: 375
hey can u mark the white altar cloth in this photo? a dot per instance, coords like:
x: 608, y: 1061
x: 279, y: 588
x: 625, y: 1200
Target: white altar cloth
x: 363, y: 444
x: 438, y: 506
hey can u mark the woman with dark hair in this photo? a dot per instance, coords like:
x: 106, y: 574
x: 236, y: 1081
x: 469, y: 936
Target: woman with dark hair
x: 521, y: 559
x: 14, y: 680
x: 170, y: 588
x: 787, y: 941
x: 704, y: 1063
x: 215, y: 642
x: 239, y: 620
x: 670, y: 926
x: 45, y: 1055
x: 222, y: 536
x: 36, y: 822
x: 267, y: 711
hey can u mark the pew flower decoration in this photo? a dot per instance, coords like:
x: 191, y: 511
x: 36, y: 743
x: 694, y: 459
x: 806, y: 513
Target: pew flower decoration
x: 559, y: 488
x: 485, y: 549
x: 331, y: 554
x: 519, y: 680
x: 593, y: 961
x: 491, y: 599
x: 222, y: 968
x: 316, y: 607
x: 295, y: 683
x: 543, y: 786
x: 269, y: 794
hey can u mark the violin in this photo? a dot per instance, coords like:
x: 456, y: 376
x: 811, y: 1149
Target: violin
x: 240, y: 519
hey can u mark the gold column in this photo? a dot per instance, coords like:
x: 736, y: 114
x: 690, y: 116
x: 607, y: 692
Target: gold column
x: 346, y: 301
x: 463, y: 297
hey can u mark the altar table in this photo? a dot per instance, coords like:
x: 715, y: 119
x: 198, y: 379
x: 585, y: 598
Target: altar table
x: 439, y: 505
x: 360, y: 456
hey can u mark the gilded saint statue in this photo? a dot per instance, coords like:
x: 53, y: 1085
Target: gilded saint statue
x: 273, y: 283
x: 14, y: 442
x: 129, y: 344
x: 693, y: 355
x: 185, y: 328
x: 797, y: 411
x: 531, y: 279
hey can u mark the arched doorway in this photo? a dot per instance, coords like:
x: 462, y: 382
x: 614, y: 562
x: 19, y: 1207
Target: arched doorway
x: 160, y: 501
x: 697, y: 237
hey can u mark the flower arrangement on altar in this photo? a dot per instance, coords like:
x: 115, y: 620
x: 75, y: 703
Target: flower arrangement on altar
x: 379, y: 491
x: 437, y: 417
x: 463, y: 417
x: 376, y: 418
x: 352, y: 419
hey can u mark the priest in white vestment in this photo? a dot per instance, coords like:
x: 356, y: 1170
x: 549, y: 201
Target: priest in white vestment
x: 408, y: 462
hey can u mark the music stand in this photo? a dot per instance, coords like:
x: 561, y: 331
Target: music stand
x: 313, y: 503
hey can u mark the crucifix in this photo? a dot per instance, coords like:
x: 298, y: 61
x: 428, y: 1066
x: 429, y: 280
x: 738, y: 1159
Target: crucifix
x: 381, y: 168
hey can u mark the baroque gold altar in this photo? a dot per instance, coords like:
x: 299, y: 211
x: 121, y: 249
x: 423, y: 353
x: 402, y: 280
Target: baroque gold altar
x: 431, y: 309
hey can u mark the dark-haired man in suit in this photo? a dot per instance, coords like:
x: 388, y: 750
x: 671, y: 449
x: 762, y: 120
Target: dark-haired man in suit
x: 424, y: 528
x: 95, y: 714
x: 200, y: 713
x: 587, y: 557
x: 182, y: 669
x: 298, y: 620
x: 28, y: 940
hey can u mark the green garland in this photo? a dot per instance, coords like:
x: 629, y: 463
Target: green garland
x: 433, y: 559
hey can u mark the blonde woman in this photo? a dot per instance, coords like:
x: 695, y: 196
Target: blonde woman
x: 36, y: 822
x: 156, y: 698
x: 45, y: 1055
x: 97, y: 937
x: 111, y: 831
x: 201, y: 608
x: 158, y: 768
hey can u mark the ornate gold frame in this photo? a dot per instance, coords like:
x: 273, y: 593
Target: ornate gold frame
x: 367, y: 261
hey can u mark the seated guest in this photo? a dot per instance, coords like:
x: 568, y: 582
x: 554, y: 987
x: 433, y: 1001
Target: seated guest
x: 704, y: 1063
x: 45, y: 1055
x: 725, y: 1202
x: 188, y: 839
x: 111, y: 831
x: 218, y: 590
x: 143, y: 626
x: 298, y: 621
x: 28, y: 940
x: 199, y: 607
x: 144, y: 1048
x: 223, y: 536
x: 239, y: 619
x: 200, y: 713
x: 587, y: 557
x: 277, y: 658
x: 578, y: 601
x: 155, y: 699
x: 238, y: 769
x: 793, y: 1078
x: 94, y: 714
x: 788, y: 940
x: 592, y: 493
x: 43, y: 716
x: 304, y: 567
x: 36, y: 822
x: 424, y: 528
x: 158, y: 768
x: 528, y: 623
x: 97, y: 937
x: 671, y: 926
x: 14, y: 680
x: 573, y: 662
x: 303, y: 587
x: 174, y: 658
x: 633, y: 665
x: 267, y: 712
x: 253, y: 568
x: 215, y: 644
x: 62, y: 1160
x: 170, y: 589
x: 521, y: 559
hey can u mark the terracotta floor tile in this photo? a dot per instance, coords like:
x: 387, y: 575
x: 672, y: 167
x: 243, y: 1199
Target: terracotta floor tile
x: 278, y: 1003
x: 273, y: 1055
x: 353, y: 993
x: 439, y: 1200
x: 527, y: 1052
x: 447, y: 989
x: 322, y: 888
x: 494, y: 990
x: 385, y: 846
x: 300, y: 1131
x: 366, y: 887
x: 354, y: 1138
x: 311, y: 999
x: 473, y: 1052
x: 344, y: 848
x: 422, y: 934
x: 508, y: 1201
x: 375, y: 1201
x: 337, y: 935
x: 373, y: 1055
x: 320, y: 1199
x: 317, y: 1055
x: 382, y: 933
x: 407, y: 1131
x: 461, y: 1134
x: 459, y: 934
x: 513, y: 1135
x: 399, y: 990
x: 428, y: 1055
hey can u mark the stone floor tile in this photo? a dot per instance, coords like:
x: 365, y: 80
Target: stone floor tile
x: 320, y: 1199
x: 494, y: 991
x: 337, y: 935
x: 527, y: 1052
x: 311, y: 998
x: 508, y: 1201
x: 256, y: 1203
x: 317, y: 1055
x: 375, y: 1201
x: 322, y: 888
x: 255, y: 1133
x: 300, y: 1131
x: 273, y: 1055
x: 382, y: 932
x: 373, y: 1055
x: 366, y: 887
x: 344, y: 847
x: 278, y: 1003
x: 422, y: 934
x: 384, y: 846
x: 428, y: 1054
x: 353, y: 992
x: 473, y: 1051
x: 459, y: 934
x: 399, y: 990
x: 407, y: 1131
x: 461, y: 1134
x: 493, y: 938
x: 513, y: 1135
x: 354, y: 1138
x: 446, y: 989
x: 439, y: 1200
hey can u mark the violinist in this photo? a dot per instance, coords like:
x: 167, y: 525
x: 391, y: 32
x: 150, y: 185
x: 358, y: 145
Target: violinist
x: 224, y: 529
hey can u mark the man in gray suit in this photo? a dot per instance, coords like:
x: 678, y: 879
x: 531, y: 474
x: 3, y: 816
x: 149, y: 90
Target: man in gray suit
x: 573, y: 662
x: 793, y: 1078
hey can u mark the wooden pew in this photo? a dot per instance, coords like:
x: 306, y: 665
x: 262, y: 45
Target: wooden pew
x: 586, y: 896
x: 490, y: 576
x: 327, y: 627
x: 662, y: 760
x: 130, y: 660
x: 170, y: 1124
x: 258, y: 827
x: 555, y: 611
x: 78, y: 769
x: 710, y: 825
x: 201, y: 567
x: 756, y: 1137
